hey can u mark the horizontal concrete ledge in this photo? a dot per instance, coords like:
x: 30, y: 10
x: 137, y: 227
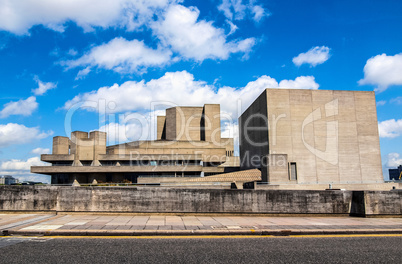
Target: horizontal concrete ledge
x: 205, y: 214
x: 110, y: 169
x: 184, y: 214
x: 194, y: 214
x: 136, y: 233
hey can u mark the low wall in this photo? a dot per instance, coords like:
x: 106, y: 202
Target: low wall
x: 169, y: 200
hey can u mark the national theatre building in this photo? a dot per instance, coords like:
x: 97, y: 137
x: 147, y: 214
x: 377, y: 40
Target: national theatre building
x: 188, y: 144
x: 289, y: 139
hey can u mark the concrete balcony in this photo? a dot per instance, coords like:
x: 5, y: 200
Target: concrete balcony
x: 113, y: 169
x: 58, y: 157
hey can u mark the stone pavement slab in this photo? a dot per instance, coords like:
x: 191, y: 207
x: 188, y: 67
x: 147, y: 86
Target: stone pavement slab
x: 83, y: 224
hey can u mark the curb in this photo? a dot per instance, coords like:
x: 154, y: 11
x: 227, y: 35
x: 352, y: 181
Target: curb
x: 261, y: 232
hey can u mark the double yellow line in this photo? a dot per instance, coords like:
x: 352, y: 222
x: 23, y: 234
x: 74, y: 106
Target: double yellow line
x: 217, y: 236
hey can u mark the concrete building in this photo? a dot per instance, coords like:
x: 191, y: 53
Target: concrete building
x: 188, y: 144
x: 394, y: 174
x: 308, y: 139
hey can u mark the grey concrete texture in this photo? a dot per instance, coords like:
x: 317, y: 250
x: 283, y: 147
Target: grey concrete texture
x: 332, y: 136
x: 170, y: 200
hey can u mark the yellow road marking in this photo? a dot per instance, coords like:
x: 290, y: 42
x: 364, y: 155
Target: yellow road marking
x: 350, y: 235
x: 217, y: 236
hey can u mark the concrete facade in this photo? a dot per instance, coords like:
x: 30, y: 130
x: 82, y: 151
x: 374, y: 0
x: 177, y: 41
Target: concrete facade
x: 170, y: 200
x: 308, y: 137
x: 188, y: 144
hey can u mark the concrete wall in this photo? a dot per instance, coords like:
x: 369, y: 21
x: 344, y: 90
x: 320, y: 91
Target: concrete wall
x: 161, y: 127
x: 169, y: 200
x: 332, y: 136
x: 86, y: 146
x: 211, y: 124
x: 254, y: 143
x: 61, y: 145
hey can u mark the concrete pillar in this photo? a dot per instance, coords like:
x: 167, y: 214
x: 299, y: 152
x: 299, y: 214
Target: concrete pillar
x: 60, y: 145
x: 212, y: 123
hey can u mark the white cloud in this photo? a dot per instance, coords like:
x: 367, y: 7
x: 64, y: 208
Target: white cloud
x: 396, y: 100
x: 383, y: 71
x: 381, y: 103
x: 12, y: 133
x: 40, y: 151
x: 258, y: 13
x: 20, y: 165
x: 19, y: 16
x: 393, y: 160
x: 239, y: 10
x: 43, y: 87
x: 390, y: 128
x: 314, y: 56
x: 232, y: 26
x: 231, y: 130
x: 122, y: 56
x: 21, y: 107
x: 148, y: 99
x: 198, y: 40
x: 72, y: 52
x: 301, y: 82
x: 180, y: 88
x: 20, y: 169
x: 82, y: 73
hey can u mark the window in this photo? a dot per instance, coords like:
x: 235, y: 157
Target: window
x: 293, y: 171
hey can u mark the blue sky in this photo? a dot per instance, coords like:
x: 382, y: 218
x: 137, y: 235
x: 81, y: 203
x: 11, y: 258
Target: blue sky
x: 139, y: 57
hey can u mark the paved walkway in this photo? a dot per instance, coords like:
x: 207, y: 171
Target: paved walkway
x: 85, y: 224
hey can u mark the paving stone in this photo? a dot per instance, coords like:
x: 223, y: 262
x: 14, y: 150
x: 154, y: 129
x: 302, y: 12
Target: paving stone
x: 192, y: 228
x: 151, y: 227
x: 123, y: 227
x: 165, y: 227
x: 137, y: 227
x: 178, y: 227
x: 109, y: 227
x: 67, y: 227
x: 95, y: 227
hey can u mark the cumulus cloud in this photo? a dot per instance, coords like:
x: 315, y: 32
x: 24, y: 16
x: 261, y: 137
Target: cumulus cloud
x: 20, y: 165
x: 231, y: 130
x: 19, y: 16
x: 12, y: 133
x: 180, y: 88
x: 121, y: 55
x: 20, y: 169
x: 82, y: 73
x: 141, y: 102
x: 390, y: 128
x: 40, y: 151
x: 43, y: 87
x: 314, y: 56
x: 383, y: 71
x: 132, y: 127
x: 21, y: 107
x: 393, y: 160
x: 180, y: 30
x: 239, y: 10
x: 301, y: 82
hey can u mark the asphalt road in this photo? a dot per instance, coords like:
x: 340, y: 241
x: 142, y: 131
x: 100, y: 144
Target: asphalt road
x: 202, y: 250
